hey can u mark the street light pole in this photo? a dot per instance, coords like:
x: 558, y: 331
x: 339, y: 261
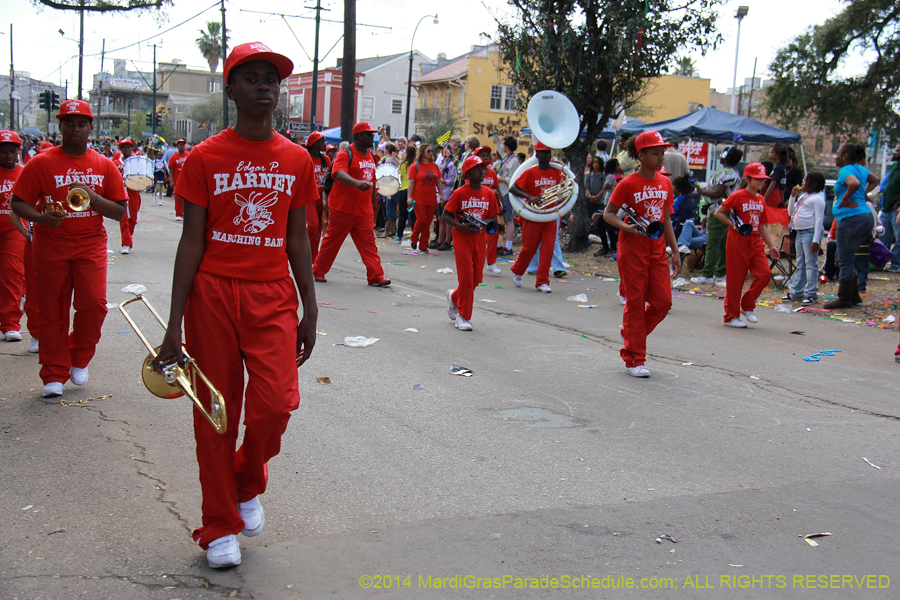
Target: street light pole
x: 741, y: 13
x: 409, y: 81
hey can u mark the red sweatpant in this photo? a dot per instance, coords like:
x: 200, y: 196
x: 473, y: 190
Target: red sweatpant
x: 71, y: 274
x: 314, y: 214
x: 490, y: 253
x: 12, y: 280
x: 362, y: 232
x: 231, y: 325
x: 129, y: 221
x: 744, y: 254
x: 644, y: 274
x: 179, y: 205
x: 31, y: 294
x: 534, y: 234
x: 421, y: 233
x: 468, y: 249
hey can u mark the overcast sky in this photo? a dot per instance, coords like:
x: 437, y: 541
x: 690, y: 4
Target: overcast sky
x: 40, y: 50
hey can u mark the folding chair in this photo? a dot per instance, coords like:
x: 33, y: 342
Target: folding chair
x: 699, y: 258
x: 785, y: 266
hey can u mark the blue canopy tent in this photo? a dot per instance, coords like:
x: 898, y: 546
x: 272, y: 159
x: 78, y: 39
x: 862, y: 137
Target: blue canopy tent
x: 333, y: 136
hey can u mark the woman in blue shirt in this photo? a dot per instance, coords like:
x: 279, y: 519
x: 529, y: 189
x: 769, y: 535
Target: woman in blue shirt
x: 855, y: 220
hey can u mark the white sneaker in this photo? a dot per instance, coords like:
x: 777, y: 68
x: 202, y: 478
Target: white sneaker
x: 224, y: 552
x: 735, y: 323
x: 638, y: 371
x: 13, y: 336
x: 78, y: 376
x: 703, y: 280
x: 517, y: 280
x: 719, y: 281
x: 126, y: 249
x: 494, y: 269
x: 751, y: 318
x: 684, y: 249
x: 179, y: 218
x: 452, y: 310
x: 543, y: 288
x: 53, y: 389
x: 620, y: 297
x: 463, y: 325
x: 34, y: 346
x: 595, y: 238
x: 253, y: 515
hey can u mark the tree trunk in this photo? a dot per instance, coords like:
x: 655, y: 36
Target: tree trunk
x: 578, y: 240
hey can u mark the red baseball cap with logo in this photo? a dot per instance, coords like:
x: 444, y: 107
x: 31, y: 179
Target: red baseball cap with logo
x: 481, y: 149
x: 756, y: 171
x: 257, y: 51
x: 10, y: 137
x: 314, y: 137
x: 470, y: 163
x: 126, y: 142
x: 650, y: 139
x: 541, y: 146
x: 180, y: 141
x: 363, y: 127
x: 75, y: 107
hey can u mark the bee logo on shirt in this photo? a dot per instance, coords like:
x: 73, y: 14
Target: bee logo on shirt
x: 253, y: 211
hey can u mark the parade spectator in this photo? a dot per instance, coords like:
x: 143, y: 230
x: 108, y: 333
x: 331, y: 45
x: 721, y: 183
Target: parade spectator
x: 628, y: 164
x: 689, y: 235
x: 448, y: 176
x: 402, y: 197
x: 722, y: 185
x: 774, y: 195
x: 890, y: 216
x: 806, y: 208
x: 602, y: 154
x: 676, y: 163
x: 507, y: 169
x: 593, y: 189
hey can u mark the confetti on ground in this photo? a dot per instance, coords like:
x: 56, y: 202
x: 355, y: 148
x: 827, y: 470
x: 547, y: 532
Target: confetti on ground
x: 371, y: 312
x: 323, y: 380
x: 401, y: 264
x: 65, y: 402
x: 328, y: 305
x: 499, y: 287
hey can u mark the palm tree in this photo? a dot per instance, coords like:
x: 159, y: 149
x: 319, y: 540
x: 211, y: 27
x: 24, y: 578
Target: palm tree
x: 685, y: 66
x: 210, y: 44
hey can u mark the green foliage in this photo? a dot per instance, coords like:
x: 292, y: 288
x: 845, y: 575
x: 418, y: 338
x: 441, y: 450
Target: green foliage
x: 104, y: 6
x: 209, y: 115
x: 210, y: 44
x: 810, y: 78
x: 138, y: 126
x: 432, y: 123
x: 685, y: 67
x: 599, y: 54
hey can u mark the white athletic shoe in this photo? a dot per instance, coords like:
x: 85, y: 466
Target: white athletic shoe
x: 720, y: 281
x: 78, y: 376
x: 493, y: 269
x: 638, y: 371
x: 517, y: 280
x: 13, y: 336
x: 463, y: 325
x: 126, y: 249
x: 53, y: 390
x: 543, y: 288
x: 35, y: 346
x: 452, y: 311
x: 620, y: 297
x: 751, y: 318
x: 684, y: 249
x: 179, y: 218
x: 735, y: 323
x: 595, y: 238
x: 703, y: 280
x: 253, y: 515
x: 224, y: 552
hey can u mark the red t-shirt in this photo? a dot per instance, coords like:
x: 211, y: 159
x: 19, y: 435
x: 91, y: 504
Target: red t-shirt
x: 426, y: 177
x: 490, y: 179
x: 347, y: 198
x: 751, y: 208
x: 481, y: 204
x: 176, y: 164
x: 47, y: 177
x: 322, y: 165
x: 247, y: 188
x: 651, y: 198
x: 535, y: 182
x: 7, y: 181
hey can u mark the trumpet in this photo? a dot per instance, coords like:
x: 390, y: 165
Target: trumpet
x: 490, y: 226
x: 651, y: 229
x: 78, y: 200
x: 743, y: 228
x: 175, y: 381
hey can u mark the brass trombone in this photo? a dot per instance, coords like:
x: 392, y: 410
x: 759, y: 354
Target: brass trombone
x: 175, y: 381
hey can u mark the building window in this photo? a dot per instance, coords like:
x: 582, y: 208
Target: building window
x: 820, y: 144
x: 214, y: 85
x: 434, y: 103
x: 496, y: 97
x: 368, y: 107
x: 296, y: 106
x: 503, y: 97
x: 835, y: 144
x: 510, y: 101
x: 396, y: 106
x: 461, y: 99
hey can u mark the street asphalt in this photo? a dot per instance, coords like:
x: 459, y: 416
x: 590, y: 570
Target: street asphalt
x: 549, y: 473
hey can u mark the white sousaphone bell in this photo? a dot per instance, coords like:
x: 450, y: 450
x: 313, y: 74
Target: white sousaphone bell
x: 554, y: 121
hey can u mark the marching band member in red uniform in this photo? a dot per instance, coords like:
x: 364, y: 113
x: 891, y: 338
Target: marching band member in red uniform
x: 176, y: 164
x: 12, y: 242
x: 643, y: 264
x: 246, y: 191
x: 746, y: 253
x: 129, y: 222
x: 530, y: 186
x: 481, y: 202
x: 315, y: 144
x: 71, y: 247
x: 425, y: 187
x: 351, y: 206
x: 492, y: 182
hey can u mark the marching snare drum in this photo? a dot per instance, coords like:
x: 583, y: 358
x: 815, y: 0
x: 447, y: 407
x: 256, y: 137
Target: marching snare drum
x: 387, y: 179
x: 137, y: 171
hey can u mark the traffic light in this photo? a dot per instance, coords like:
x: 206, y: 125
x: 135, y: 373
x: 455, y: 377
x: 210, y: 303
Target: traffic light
x: 54, y: 100
x: 42, y: 101
x: 158, y: 119
x: 149, y: 119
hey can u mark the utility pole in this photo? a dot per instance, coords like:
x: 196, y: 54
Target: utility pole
x: 153, y: 107
x: 81, y: 51
x: 315, y: 76
x: 348, y: 77
x: 100, y: 90
x: 224, y: 83
x: 12, y: 83
x: 752, y: 85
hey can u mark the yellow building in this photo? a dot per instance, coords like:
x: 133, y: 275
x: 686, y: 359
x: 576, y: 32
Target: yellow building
x: 671, y: 96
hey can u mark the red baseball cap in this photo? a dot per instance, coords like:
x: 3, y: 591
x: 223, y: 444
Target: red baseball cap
x: 329, y: 148
x: 126, y: 142
x: 756, y: 171
x: 45, y: 145
x: 363, y: 127
x: 75, y: 107
x: 481, y: 149
x: 10, y: 137
x: 180, y: 141
x: 471, y: 162
x: 314, y: 137
x: 650, y: 139
x: 541, y: 146
x: 257, y: 51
